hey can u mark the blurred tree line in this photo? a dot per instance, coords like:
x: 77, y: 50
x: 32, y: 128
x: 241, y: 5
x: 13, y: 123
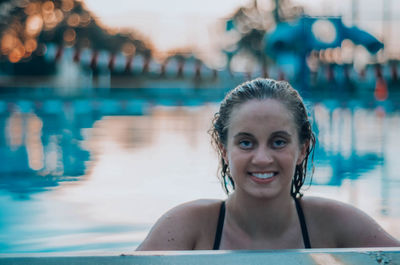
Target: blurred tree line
x: 248, y: 26
x: 27, y: 26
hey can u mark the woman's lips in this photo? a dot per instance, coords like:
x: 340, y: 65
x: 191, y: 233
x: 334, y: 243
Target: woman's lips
x: 263, y: 177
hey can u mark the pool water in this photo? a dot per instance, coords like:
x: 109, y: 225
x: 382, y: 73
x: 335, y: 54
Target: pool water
x: 92, y: 175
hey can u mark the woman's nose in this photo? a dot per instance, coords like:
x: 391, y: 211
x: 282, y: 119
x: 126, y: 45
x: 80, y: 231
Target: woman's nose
x: 262, y: 156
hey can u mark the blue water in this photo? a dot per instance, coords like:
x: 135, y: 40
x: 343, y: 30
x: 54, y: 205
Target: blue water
x: 93, y: 175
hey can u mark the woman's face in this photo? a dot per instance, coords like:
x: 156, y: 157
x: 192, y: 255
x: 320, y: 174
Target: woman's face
x: 262, y: 148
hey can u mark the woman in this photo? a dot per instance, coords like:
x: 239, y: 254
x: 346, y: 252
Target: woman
x: 263, y: 136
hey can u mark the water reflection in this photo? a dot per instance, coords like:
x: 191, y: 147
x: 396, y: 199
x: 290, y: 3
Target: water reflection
x: 129, y: 132
x: 41, y: 149
x: 357, y: 145
x: 340, y: 132
x: 110, y: 168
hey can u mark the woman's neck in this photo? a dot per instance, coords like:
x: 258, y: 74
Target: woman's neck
x: 261, y: 216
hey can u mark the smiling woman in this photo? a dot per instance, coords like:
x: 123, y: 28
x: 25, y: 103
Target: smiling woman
x: 263, y: 135
x: 262, y: 148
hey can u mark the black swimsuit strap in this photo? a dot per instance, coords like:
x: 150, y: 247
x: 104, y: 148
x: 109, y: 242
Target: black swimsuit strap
x: 220, y: 226
x: 300, y: 213
x: 303, y: 224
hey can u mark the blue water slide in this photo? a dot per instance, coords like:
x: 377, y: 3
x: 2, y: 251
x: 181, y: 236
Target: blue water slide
x: 316, y: 33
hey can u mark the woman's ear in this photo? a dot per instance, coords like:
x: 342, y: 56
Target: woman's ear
x: 303, y: 153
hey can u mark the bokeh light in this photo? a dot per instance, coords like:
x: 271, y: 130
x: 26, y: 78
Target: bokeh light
x: 34, y: 25
x: 16, y: 54
x: 67, y: 5
x: 30, y: 45
x: 85, y: 19
x: 324, y: 31
x: 73, y: 20
x: 8, y: 41
x: 32, y: 8
x: 128, y: 49
x: 47, y: 7
x: 69, y: 35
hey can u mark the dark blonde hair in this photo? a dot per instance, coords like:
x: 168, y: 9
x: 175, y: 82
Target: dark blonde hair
x: 261, y: 89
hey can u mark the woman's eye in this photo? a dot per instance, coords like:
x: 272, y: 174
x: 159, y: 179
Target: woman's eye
x: 279, y: 143
x: 245, y: 144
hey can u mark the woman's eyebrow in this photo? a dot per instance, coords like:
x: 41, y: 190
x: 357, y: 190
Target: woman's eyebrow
x: 277, y: 133
x: 241, y: 134
x: 281, y: 133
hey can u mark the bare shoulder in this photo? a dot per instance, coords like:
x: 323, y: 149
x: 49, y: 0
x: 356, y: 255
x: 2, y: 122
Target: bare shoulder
x: 347, y: 225
x: 182, y: 227
x: 324, y: 206
x: 328, y: 211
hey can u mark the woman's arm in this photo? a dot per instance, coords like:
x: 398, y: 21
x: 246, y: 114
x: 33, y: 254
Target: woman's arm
x: 181, y: 228
x: 357, y: 229
x: 171, y: 232
x: 349, y: 227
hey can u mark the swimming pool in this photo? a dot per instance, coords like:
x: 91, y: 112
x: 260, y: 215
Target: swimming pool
x: 93, y: 175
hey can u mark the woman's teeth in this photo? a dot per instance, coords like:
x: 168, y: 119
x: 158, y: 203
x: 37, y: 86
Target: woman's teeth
x: 263, y: 175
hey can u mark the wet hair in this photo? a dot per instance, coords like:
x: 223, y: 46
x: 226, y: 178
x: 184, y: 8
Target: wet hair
x: 261, y: 89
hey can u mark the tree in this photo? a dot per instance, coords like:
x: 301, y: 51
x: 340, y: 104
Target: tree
x: 251, y: 23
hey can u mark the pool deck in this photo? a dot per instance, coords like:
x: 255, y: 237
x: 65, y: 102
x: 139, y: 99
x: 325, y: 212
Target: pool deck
x: 360, y: 256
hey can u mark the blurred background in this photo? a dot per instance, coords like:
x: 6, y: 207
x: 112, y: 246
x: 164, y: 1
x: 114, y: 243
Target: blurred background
x: 105, y: 108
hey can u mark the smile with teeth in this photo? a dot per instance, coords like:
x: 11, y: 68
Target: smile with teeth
x: 263, y: 175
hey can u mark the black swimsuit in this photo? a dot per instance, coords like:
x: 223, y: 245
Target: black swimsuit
x: 221, y: 219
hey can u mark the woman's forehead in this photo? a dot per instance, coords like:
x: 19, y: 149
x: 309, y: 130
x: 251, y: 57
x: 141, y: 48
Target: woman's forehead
x: 266, y: 113
x: 261, y: 108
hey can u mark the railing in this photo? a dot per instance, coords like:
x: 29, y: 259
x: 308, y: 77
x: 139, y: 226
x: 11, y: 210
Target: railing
x: 360, y: 256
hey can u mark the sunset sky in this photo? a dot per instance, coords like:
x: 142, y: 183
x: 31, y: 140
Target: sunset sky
x: 178, y: 23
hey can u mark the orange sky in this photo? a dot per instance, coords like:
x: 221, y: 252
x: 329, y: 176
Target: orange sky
x: 179, y: 23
